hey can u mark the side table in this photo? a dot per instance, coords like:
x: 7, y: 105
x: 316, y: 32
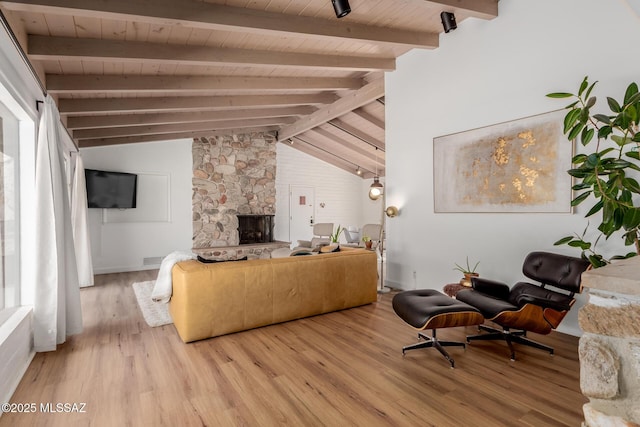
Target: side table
x: 452, y: 289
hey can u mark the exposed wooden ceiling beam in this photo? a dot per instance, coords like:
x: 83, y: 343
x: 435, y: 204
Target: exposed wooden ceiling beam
x: 119, y: 120
x: 369, y: 117
x: 71, y: 48
x: 98, y: 142
x: 220, y: 17
x: 355, y: 155
x: 351, y: 130
x: 483, y: 9
x: 324, y: 156
x: 181, y: 127
x: 362, y: 96
x: 88, y: 106
x: 77, y: 83
x: 363, y: 152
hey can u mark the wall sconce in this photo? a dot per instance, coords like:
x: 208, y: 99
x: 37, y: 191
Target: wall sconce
x: 375, y: 191
x: 448, y: 21
x: 391, y: 211
x: 341, y: 7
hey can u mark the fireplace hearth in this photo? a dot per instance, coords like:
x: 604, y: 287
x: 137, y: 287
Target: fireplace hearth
x: 255, y: 229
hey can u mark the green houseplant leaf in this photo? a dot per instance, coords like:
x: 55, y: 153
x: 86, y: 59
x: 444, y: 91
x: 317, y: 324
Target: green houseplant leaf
x: 606, y: 173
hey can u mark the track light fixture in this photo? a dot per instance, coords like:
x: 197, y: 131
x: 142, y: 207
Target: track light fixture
x: 341, y: 7
x: 448, y: 21
x: 359, y: 171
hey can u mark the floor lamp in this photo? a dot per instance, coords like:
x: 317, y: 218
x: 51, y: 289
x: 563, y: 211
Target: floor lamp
x: 376, y: 192
x: 382, y: 289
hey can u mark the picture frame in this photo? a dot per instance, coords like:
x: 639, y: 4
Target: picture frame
x: 519, y: 166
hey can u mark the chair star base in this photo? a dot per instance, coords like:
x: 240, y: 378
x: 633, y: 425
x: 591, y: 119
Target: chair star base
x: 510, y: 337
x: 432, y: 341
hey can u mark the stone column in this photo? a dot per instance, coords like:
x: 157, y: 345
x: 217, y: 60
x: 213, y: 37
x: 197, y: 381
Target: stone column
x: 610, y: 346
x: 232, y: 174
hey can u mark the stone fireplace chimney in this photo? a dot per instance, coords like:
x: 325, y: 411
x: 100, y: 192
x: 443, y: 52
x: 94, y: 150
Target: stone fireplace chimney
x: 610, y: 346
x: 232, y: 175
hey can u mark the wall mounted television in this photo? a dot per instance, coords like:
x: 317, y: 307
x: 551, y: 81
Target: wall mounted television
x: 111, y: 190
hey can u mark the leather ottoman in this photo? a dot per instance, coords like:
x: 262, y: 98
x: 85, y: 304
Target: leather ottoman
x: 430, y: 309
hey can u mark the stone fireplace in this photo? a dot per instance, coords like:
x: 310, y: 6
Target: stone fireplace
x: 610, y: 346
x: 233, y: 178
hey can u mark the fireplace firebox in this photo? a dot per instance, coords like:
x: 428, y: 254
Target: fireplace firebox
x: 255, y: 229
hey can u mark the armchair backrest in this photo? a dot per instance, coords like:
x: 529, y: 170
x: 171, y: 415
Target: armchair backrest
x: 323, y: 229
x: 560, y: 271
x: 322, y: 232
x: 352, y: 236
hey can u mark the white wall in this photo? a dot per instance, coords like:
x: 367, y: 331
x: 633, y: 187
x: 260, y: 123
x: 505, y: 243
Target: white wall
x: 123, y: 246
x: 483, y: 73
x: 342, y: 193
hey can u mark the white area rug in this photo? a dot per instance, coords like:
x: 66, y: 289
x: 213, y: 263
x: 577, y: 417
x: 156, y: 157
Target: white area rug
x: 154, y: 313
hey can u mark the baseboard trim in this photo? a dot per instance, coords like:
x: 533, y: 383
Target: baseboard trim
x: 394, y: 285
x: 108, y: 270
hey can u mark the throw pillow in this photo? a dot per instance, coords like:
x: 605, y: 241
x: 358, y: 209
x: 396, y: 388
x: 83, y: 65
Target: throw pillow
x: 211, y: 261
x: 330, y: 248
x: 301, y: 251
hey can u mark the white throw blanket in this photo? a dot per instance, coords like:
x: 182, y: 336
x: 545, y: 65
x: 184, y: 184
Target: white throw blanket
x: 164, y: 284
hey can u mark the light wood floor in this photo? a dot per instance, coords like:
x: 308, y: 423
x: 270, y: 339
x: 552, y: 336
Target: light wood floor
x: 339, y: 369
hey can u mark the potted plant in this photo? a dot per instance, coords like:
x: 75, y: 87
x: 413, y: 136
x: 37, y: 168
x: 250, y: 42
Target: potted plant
x: 467, y: 271
x: 335, y: 237
x: 368, y: 243
x: 605, y: 176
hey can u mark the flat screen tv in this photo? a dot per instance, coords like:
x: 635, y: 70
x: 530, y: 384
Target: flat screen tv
x: 107, y: 189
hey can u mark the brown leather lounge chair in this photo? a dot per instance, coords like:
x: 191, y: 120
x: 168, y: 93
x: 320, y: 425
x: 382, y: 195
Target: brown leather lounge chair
x: 527, y: 307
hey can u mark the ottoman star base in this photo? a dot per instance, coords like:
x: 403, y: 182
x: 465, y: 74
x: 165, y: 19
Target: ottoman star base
x: 430, y: 309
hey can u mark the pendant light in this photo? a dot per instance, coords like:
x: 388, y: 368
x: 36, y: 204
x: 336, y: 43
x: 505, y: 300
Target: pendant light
x: 376, y: 189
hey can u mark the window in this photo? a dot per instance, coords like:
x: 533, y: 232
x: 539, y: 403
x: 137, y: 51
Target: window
x: 9, y: 211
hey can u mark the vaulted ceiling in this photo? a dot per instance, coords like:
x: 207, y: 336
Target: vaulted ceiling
x: 126, y: 71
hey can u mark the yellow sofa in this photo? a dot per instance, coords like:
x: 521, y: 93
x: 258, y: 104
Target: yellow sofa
x: 220, y: 298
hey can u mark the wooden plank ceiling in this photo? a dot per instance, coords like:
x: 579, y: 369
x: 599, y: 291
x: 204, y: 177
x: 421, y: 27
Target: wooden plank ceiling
x: 126, y: 71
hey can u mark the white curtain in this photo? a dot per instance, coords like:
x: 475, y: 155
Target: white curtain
x: 57, y: 311
x: 80, y: 224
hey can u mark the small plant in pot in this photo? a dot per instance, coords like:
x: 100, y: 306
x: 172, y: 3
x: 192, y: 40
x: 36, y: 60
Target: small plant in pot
x: 367, y: 242
x: 467, y: 271
x: 335, y: 237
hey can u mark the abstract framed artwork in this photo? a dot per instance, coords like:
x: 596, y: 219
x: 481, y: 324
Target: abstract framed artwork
x: 516, y: 166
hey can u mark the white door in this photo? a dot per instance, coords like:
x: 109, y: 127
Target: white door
x: 301, y: 203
